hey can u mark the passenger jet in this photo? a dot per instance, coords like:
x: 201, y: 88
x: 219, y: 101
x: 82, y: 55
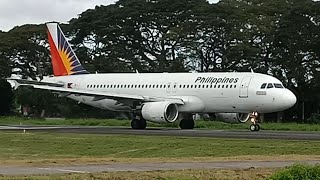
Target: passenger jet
x: 162, y: 97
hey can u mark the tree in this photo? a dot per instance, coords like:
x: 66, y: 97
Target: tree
x: 137, y: 34
x: 6, y: 97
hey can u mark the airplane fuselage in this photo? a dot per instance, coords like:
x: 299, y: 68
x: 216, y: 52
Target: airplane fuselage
x: 201, y: 92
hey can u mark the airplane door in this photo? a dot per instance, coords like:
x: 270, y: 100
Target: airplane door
x: 244, y: 87
x: 168, y: 87
x: 174, y: 88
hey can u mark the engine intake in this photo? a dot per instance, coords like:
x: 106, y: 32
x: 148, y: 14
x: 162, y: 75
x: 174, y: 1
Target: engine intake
x: 160, y: 112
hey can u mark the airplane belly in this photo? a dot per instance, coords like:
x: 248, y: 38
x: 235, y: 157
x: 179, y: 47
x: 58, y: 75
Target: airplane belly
x: 108, y: 104
x: 220, y: 104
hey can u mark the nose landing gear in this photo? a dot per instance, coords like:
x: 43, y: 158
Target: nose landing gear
x: 254, y: 122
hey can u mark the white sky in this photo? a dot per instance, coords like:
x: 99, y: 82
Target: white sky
x: 19, y: 12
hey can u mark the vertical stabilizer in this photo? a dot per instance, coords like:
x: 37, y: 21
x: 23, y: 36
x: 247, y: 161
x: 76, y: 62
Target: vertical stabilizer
x: 64, y: 60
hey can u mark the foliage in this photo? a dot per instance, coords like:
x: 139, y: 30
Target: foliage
x: 314, y: 119
x: 298, y: 172
x: 6, y: 97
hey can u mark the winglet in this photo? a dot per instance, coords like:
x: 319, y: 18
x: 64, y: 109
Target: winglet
x: 16, y: 83
x: 64, y: 60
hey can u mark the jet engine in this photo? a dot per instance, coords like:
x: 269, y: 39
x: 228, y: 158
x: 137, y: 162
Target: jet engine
x: 233, y: 117
x: 160, y: 112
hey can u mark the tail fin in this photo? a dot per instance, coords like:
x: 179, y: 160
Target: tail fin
x: 64, y: 60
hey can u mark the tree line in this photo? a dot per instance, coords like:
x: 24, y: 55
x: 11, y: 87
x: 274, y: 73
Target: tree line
x: 276, y: 37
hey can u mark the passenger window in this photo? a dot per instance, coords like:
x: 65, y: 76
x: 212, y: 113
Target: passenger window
x: 227, y: 86
x: 263, y: 86
x: 270, y: 85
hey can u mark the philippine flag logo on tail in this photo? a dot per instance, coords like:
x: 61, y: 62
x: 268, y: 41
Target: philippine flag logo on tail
x: 64, y: 60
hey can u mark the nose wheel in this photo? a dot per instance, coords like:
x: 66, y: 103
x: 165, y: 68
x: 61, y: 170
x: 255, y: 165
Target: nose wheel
x: 254, y: 122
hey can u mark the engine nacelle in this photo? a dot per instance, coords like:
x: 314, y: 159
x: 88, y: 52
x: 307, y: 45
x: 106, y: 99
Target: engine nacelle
x: 160, y: 112
x: 233, y: 117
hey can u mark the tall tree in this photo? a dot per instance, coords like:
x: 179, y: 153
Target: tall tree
x: 147, y: 35
x: 6, y: 97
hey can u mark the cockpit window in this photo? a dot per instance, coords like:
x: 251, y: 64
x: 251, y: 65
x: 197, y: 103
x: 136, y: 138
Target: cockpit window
x: 270, y: 85
x: 278, y: 85
x: 263, y: 85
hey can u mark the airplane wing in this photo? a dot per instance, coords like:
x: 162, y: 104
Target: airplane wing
x: 63, y: 91
x: 25, y: 82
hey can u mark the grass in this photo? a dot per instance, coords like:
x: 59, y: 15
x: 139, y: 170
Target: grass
x: 231, y: 174
x: 17, y: 148
x: 199, y: 124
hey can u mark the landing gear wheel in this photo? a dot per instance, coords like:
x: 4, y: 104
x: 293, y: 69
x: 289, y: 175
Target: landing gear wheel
x: 135, y: 124
x: 254, y: 127
x: 186, y: 124
x: 138, y: 124
x: 253, y: 118
x: 257, y: 127
x: 143, y: 123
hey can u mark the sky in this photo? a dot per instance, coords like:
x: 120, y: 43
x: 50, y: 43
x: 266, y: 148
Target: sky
x: 20, y: 12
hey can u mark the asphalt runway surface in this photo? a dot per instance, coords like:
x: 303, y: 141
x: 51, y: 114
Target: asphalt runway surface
x: 245, y: 134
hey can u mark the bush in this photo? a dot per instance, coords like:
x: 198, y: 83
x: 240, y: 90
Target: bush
x: 298, y: 172
x: 314, y: 119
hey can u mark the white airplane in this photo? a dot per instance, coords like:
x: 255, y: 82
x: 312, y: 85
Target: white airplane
x: 162, y: 97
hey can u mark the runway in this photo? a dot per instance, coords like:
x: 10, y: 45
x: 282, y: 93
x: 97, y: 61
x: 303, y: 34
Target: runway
x: 246, y: 134
x: 15, y: 170
x: 152, y: 166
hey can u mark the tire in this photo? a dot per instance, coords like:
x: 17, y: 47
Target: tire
x: 135, y: 124
x: 257, y: 127
x: 143, y: 123
x: 186, y: 124
x: 253, y: 127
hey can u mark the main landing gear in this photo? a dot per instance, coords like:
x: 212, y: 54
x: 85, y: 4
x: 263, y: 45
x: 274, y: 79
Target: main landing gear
x: 187, y: 122
x: 138, y: 123
x: 254, y: 122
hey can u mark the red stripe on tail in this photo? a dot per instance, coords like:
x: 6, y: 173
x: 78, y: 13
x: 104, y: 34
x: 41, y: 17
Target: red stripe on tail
x: 57, y: 63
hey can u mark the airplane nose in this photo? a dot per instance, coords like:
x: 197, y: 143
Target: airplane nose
x: 289, y: 99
